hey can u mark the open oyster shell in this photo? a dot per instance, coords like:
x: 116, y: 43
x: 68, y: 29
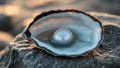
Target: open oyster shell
x: 80, y: 32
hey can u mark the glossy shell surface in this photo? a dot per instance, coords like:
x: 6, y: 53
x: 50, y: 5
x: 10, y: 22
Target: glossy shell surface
x: 65, y: 32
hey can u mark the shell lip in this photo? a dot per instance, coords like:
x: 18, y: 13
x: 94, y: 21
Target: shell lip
x: 27, y: 34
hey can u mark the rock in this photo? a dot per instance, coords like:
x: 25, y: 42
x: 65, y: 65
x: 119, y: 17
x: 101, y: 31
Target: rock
x: 4, y: 57
x: 5, y: 40
x: 25, y: 54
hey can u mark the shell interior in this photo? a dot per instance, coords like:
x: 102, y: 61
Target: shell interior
x: 86, y: 30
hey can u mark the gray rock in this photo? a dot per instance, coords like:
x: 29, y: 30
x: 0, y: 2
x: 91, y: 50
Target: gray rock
x: 25, y: 54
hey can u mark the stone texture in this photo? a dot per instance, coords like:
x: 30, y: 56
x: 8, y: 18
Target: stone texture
x: 4, y: 57
x: 24, y: 53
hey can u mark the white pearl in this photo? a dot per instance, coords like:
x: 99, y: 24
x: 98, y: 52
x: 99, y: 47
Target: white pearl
x: 62, y: 36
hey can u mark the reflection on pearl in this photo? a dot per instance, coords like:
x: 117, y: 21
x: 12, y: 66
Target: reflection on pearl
x: 62, y: 36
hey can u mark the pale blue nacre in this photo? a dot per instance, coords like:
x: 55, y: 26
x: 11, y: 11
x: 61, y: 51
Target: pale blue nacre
x: 87, y: 31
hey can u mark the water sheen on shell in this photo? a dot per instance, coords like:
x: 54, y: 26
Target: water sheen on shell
x: 87, y: 32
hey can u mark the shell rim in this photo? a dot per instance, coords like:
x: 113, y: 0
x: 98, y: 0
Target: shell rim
x: 26, y: 33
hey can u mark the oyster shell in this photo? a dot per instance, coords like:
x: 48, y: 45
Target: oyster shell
x: 65, y: 32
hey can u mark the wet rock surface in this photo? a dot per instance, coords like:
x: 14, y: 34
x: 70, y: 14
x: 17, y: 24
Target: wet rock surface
x: 25, y: 54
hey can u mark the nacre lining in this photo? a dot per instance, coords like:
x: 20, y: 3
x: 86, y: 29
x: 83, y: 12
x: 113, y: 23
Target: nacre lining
x: 88, y: 33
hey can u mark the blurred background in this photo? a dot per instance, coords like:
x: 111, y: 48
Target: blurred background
x: 16, y: 14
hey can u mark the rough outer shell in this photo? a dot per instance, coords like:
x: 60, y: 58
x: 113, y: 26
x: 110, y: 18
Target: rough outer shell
x: 87, y: 29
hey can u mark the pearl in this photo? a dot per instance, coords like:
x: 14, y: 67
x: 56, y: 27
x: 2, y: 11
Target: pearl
x: 62, y: 36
